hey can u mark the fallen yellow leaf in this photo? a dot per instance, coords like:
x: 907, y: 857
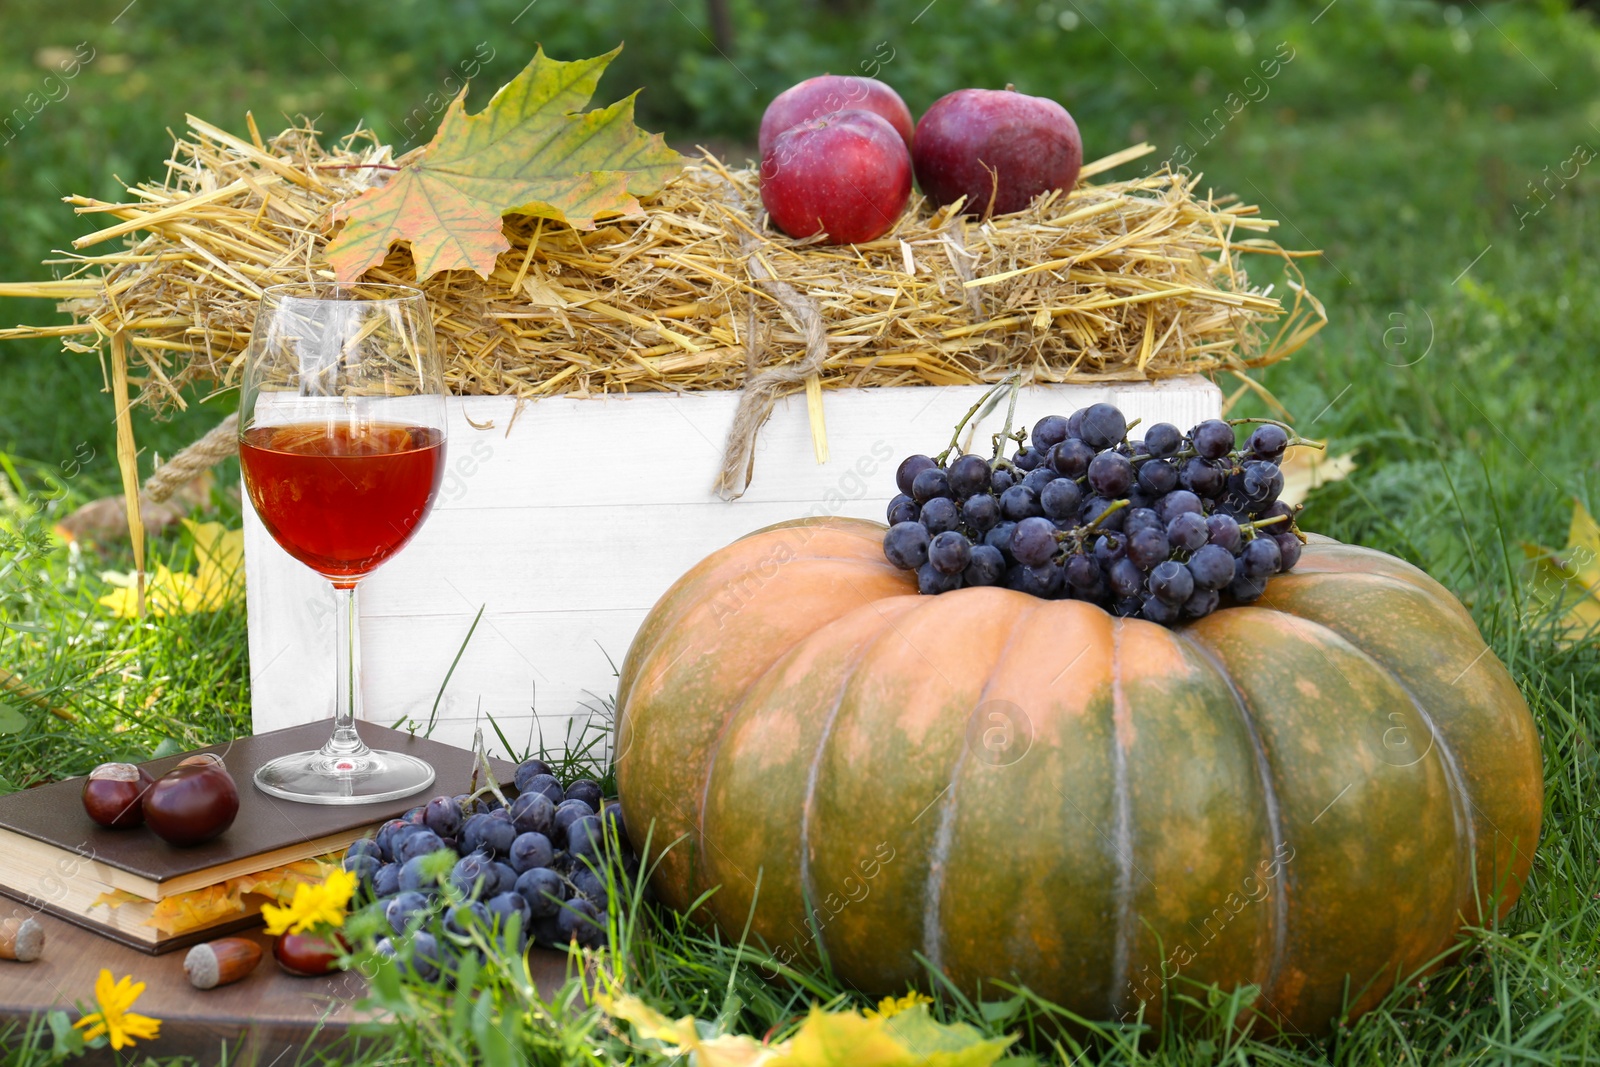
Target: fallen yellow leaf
x: 1567, y: 583
x: 218, y: 579
x: 1306, y: 468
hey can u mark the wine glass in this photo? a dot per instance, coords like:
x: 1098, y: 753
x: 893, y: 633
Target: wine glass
x: 341, y: 442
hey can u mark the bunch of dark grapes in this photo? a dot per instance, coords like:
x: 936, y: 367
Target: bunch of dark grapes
x: 1164, y: 527
x: 461, y: 865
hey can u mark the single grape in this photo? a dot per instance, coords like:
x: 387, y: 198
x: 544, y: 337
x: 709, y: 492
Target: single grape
x: 1188, y: 531
x: 968, y: 475
x: 1288, y: 549
x: 1212, y: 567
x: 567, y: 813
x: 1172, y: 582
x: 1223, y: 531
x: 1202, y: 603
x: 905, y: 545
x: 1127, y: 607
x: 902, y: 509
x: 1103, y: 426
x: 1157, y: 610
x: 365, y: 846
x: 586, y: 790
x: 1033, y: 542
x: 1212, y: 439
x: 591, y: 887
x: 1268, y: 441
x: 1048, y: 432
x: 1110, y: 547
x: 1275, y: 510
x: 469, y: 876
x: 1061, y: 499
x: 1133, y: 446
x: 1246, y: 589
x: 1000, y: 481
x: 988, y: 566
x: 531, y: 850
x: 1163, y: 439
x: 543, y: 889
x: 1018, y: 503
x: 1095, y: 507
x: 386, y: 880
x: 1203, y: 477
x: 1125, y: 578
x: 931, y: 483
x: 1260, y: 558
x: 1042, y: 581
x: 443, y: 816
x: 981, y: 511
x: 907, y: 473
x: 940, y: 514
x: 1157, y: 476
x: 1040, y: 477
x: 949, y: 552
x: 385, y: 837
x: 1140, y: 519
x: 999, y: 537
x: 1075, y: 422
x: 1110, y: 474
x: 546, y: 783
x: 1083, y: 574
x: 497, y: 834
x: 1178, y: 502
x: 1071, y: 458
x: 579, y: 921
x: 422, y: 843
x: 404, y: 909
x: 531, y: 813
x: 931, y: 582
x: 473, y: 829
x: 502, y: 906
x: 364, y: 867
x: 1148, y: 547
x: 586, y: 837
x: 1027, y: 458
x: 1260, y: 483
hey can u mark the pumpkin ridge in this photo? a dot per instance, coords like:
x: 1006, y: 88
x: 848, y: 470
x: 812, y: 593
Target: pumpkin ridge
x: 933, y: 893
x: 1269, y: 796
x: 1122, y: 832
x: 808, y: 891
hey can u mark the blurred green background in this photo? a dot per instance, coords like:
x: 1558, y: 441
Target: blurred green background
x: 1409, y: 139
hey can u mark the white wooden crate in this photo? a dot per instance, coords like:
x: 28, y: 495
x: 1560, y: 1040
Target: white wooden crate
x: 565, y: 583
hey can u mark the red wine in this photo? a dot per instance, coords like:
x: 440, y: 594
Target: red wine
x: 342, y: 499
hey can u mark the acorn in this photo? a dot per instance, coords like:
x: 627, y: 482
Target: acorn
x: 307, y: 955
x: 193, y: 802
x: 222, y: 961
x: 21, y: 939
x: 113, y: 795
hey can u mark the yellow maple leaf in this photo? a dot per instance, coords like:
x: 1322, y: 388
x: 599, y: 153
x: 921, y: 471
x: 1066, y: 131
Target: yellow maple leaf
x: 218, y: 579
x: 1567, y: 583
x: 684, y: 1037
x: 166, y: 592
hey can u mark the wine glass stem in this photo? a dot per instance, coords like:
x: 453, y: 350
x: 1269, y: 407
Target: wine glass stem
x: 347, y: 708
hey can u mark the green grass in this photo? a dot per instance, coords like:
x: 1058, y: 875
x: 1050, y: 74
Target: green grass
x: 1458, y: 364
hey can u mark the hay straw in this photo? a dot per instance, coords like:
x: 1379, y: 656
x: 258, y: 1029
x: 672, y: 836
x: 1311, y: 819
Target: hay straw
x: 1130, y: 280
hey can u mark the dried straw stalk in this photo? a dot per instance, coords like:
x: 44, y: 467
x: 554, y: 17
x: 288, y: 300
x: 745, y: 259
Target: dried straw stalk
x: 1138, y: 279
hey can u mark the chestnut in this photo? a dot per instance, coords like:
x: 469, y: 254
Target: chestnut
x: 113, y: 795
x: 307, y: 955
x: 193, y: 802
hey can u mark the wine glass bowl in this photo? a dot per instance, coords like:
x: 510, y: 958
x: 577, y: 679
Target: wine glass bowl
x: 341, y: 444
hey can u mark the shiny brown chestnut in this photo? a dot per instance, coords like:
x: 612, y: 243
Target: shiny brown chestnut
x: 308, y: 955
x: 193, y: 802
x: 113, y: 795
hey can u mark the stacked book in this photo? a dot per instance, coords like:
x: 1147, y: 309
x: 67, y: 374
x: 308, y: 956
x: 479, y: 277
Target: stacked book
x: 136, y: 889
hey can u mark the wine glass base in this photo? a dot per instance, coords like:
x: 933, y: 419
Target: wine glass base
x: 317, y: 778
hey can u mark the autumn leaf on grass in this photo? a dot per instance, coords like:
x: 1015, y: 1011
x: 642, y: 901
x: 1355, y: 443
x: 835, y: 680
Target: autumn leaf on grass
x: 531, y: 151
x: 1306, y: 468
x: 1567, y: 583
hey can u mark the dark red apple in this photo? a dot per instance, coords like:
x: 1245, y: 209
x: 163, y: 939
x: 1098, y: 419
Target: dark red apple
x: 999, y: 143
x: 113, y: 795
x: 193, y: 802
x: 827, y: 93
x: 847, y: 174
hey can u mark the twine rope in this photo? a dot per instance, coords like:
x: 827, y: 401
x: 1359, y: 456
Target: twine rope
x: 220, y: 442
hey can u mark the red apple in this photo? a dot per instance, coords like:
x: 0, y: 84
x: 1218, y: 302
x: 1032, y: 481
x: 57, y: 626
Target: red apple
x: 847, y: 174
x: 827, y: 93
x: 983, y: 143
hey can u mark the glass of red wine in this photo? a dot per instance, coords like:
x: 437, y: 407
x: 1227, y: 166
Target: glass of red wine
x: 341, y: 441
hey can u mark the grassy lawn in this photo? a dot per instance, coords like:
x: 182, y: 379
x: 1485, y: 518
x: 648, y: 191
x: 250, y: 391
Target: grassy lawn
x: 1422, y: 146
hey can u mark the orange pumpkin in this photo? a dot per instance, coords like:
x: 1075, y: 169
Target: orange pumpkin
x: 1325, y: 784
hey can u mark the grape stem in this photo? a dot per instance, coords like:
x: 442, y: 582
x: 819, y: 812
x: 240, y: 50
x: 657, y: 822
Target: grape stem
x: 955, y: 437
x: 1294, y: 438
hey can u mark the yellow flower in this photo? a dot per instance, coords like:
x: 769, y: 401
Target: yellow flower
x: 890, y: 1006
x: 313, y: 904
x: 114, y: 1018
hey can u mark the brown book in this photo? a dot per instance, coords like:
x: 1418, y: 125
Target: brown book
x: 54, y: 858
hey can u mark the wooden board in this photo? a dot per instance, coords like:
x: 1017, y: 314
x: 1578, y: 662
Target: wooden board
x: 567, y: 524
x: 269, y: 1012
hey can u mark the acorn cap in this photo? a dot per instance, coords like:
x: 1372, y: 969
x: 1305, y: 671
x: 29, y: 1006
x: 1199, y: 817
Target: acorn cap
x: 217, y: 963
x: 21, y: 940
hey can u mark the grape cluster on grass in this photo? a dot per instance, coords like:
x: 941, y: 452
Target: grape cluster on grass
x: 1163, y: 527
x: 460, y: 865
